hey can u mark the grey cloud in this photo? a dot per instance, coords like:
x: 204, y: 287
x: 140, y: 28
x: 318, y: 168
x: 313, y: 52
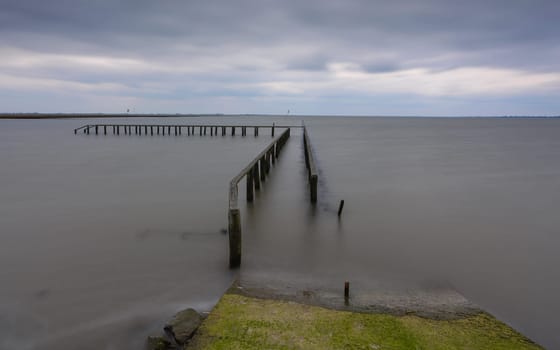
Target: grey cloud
x: 381, y: 67
x: 251, y: 41
x: 339, y: 30
x: 314, y: 62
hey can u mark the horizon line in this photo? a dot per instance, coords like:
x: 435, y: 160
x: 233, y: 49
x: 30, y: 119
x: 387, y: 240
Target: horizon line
x: 63, y: 115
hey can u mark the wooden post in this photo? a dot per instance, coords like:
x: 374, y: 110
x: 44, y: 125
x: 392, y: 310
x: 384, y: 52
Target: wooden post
x: 272, y: 129
x: 233, y: 131
x: 200, y: 131
x: 204, y: 130
x: 151, y: 130
x: 175, y: 130
x: 105, y: 129
x: 263, y: 169
x: 256, y: 131
x: 118, y: 129
x: 188, y: 131
x: 211, y: 131
x: 223, y: 131
x: 256, y: 177
x: 169, y: 130
x: 266, y: 163
x: 96, y: 130
x: 340, y: 207
x: 87, y: 130
x: 273, y: 153
x: 346, y: 290
x: 234, y: 219
x: 313, y: 186
x: 249, y: 177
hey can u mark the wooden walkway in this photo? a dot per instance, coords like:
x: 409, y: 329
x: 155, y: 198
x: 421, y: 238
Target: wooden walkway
x: 255, y: 172
x: 177, y: 129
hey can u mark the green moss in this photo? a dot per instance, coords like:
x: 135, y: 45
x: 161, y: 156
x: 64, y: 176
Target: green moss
x: 239, y: 322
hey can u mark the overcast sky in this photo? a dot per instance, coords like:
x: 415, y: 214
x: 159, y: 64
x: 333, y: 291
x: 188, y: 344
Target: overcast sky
x: 354, y: 57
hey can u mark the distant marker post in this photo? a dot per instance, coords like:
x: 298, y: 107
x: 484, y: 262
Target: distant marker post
x: 340, y: 207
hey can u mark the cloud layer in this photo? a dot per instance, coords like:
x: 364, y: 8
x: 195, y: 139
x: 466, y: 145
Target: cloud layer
x: 313, y: 57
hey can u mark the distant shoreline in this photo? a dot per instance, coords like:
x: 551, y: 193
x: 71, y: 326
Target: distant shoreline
x: 168, y: 115
x: 95, y: 115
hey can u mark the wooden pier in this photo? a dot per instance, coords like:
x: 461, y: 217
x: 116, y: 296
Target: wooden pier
x: 255, y: 173
x: 176, y: 129
x: 310, y: 164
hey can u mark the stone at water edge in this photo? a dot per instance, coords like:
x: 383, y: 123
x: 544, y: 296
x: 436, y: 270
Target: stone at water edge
x: 183, y: 325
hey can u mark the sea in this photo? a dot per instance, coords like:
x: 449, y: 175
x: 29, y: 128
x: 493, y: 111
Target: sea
x: 104, y: 237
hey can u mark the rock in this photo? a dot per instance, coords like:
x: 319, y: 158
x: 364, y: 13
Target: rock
x: 158, y: 343
x: 183, y: 325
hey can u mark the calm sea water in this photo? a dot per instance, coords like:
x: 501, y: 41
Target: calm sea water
x: 103, y: 238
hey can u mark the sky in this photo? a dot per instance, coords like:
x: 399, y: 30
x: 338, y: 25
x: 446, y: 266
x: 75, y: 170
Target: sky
x: 327, y: 57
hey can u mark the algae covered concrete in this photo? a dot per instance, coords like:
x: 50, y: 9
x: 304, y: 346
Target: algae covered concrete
x: 243, y: 322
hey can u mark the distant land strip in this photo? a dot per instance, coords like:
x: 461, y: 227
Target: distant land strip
x: 98, y: 115
x: 181, y: 115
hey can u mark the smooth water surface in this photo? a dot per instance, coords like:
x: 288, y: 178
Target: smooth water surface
x: 102, y: 238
